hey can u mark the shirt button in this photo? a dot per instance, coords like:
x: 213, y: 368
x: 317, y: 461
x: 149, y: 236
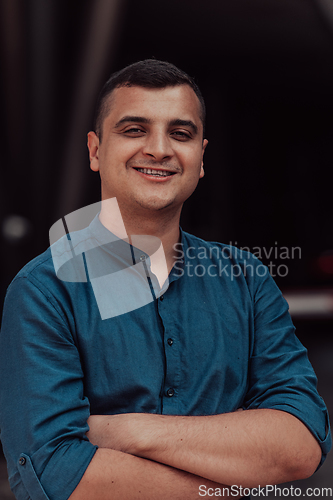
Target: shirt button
x: 170, y: 392
x: 170, y: 341
x: 142, y: 258
x: 22, y: 461
x: 161, y: 298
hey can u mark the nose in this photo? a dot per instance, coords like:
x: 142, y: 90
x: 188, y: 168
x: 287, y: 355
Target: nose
x: 158, y: 146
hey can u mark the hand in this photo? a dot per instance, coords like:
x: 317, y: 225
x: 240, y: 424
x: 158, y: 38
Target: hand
x: 117, y: 432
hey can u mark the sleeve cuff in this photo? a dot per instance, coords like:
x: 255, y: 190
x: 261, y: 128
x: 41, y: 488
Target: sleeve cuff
x: 60, y: 479
x: 324, y: 440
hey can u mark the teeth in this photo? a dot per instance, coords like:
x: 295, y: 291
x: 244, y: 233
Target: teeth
x: 159, y: 173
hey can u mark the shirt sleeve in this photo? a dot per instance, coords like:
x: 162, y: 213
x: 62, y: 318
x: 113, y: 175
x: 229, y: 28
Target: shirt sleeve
x: 44, y: 412
x: 281, y: 376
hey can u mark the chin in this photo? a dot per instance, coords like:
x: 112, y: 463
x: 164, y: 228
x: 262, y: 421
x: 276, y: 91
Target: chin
x: 155, y: 204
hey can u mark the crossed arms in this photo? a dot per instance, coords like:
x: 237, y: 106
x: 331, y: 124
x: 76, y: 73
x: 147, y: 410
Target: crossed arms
x: 145, y: 455
x: 45, y: 410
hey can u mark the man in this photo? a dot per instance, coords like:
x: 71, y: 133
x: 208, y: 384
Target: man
x: 145, y: 403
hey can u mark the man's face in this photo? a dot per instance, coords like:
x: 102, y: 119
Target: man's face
x: 151, y: 154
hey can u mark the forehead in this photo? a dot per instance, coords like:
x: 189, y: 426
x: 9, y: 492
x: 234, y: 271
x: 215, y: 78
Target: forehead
x: 167, y: 103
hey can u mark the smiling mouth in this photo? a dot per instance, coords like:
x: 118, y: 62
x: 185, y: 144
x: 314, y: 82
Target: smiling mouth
x: 156, y: 173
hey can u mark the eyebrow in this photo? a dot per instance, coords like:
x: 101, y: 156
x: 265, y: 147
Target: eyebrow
x: 132, y: 119
x: 140, y: 119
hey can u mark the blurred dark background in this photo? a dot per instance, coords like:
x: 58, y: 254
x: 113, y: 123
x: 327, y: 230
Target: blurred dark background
x: 265, y: 69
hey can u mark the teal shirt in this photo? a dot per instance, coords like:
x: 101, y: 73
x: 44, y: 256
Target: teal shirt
x: 217, y: 338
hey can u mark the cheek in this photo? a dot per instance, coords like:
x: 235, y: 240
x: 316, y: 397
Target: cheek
x: 193, y: 163
x: 123, y: 150
x: 192, y: 155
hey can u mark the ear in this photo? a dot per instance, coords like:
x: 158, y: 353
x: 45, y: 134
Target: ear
x: 204, y: 145
x: 93, y: 146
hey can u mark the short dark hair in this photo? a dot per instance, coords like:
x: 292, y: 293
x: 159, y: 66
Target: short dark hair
x: 149, y: 73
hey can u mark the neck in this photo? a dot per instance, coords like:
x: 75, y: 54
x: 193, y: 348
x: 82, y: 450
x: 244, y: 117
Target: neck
x: 161, y: 224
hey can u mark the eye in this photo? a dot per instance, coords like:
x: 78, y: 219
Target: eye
x: 181, y: 135
x: 134, y: 131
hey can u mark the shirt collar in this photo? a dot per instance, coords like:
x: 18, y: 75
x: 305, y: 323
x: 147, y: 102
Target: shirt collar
x: 130, y: 254
x: 114, y: 245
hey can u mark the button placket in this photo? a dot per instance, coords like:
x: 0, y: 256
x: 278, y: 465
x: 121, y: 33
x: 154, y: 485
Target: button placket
x: 171, y: 351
